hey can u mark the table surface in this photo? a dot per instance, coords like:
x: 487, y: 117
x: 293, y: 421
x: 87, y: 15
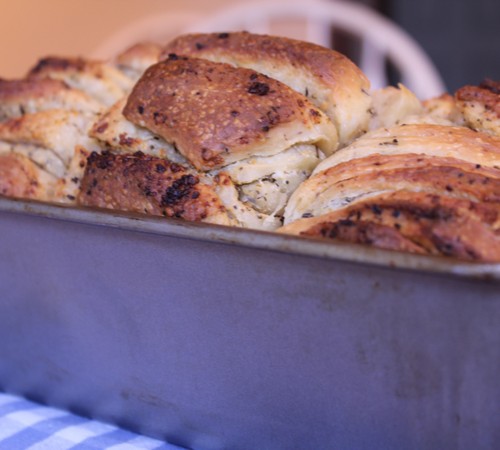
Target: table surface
x: 28, y: 425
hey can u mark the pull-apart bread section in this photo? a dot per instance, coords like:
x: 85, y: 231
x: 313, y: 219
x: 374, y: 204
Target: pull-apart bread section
x: 480, y: 106
x: 101, y: 81
x: 261, y: 132
x: 330, y: 80
x: 53, y: 144
x: 134, y: 60
x: 423, y: 188
x: 45, y: 120
x: 21, y: 97
x: 255, y: 137
x: 149, y: 185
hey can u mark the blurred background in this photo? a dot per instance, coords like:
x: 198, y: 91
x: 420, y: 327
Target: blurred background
x: 462, y: 37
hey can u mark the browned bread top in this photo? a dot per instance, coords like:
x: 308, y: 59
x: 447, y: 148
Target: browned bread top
x: 329, y: 79
x: 20, y: 177
x: 20, y: 97
x: 147, y: 184
x: 101, y: 81
x: 487, y: 93
x: 216, y: 114
x: 480, y: 106
x: 418, y: 222
x: 136, y: 59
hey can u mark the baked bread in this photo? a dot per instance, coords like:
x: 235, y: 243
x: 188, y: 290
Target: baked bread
x: 264, y: 136
x: 101, y: 81
x: 416, y: 222
x: 20, y: 97
x: 57, y: 142
x: 149, y: 185
x: 422, y: 178
x: 327, y: 78
x: 392, y: 106
x: 244, y: 130
x: 480, y: 106
x: 20, y: 177
x: 134, y: 61
x: 122, y: 136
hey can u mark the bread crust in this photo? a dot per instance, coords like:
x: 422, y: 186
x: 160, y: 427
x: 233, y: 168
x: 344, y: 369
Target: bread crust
x: 426, y: 189
x: 216, y: 114
x: 480, y: 106
x: 134, y: 60
x: 20, y: 97
x: 22, y: 178
x: 329, y: 79
x: 427, y: 139
x: 413, y: 221
x: 100, y: 80
x: 147, y: 184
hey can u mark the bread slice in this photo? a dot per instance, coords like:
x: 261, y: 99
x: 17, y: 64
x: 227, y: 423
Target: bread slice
x: 330, y: 80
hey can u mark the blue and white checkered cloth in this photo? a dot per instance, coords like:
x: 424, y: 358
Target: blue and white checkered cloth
x: 27, y: 425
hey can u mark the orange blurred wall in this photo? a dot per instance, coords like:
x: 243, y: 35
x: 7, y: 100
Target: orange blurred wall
x: 32, y: 29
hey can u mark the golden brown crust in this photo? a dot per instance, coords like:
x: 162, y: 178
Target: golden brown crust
x: 21, y: 178
x: 420, y: 188
x: 113, y: 129
x: 480, y: 106
x: 101, y: 81
x: 20, y: 97
x: 434, y: 224
x: 487, y: 93
x: 16, y: 90
x: 216, y: 114
x: 426, y: 139
x: 146, y: 184
x: 137, y: 58
x: 350, y: 182
x: 397, y: 158
x: 444, y: 108
x: 54, y: 131
x: 330, y: 80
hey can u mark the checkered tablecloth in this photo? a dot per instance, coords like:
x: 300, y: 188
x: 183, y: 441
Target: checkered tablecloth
x: 28, y: 425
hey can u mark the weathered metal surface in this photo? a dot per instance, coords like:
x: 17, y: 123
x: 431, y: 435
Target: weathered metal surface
x: 220, y: 338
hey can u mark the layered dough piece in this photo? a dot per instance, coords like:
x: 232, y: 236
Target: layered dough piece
x: 330, y: 81
x: 134, y: 60
x: 45, y: 121
x: 99, y: 80
x: 20, y: 177
x: 21, y: 97
x: 122, y: 136
x: 52, y: 147
x: 480, y: 106
x: 255, y: 136
x: 150, y: 185
x: 423, y: 188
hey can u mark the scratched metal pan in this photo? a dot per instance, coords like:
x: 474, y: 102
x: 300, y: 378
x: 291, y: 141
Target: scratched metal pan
x: 214, y: 338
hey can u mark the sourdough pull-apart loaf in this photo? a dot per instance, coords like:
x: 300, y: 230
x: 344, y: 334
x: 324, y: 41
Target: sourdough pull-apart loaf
x: 428, y: 189
x: 327, y: 78
x: 256, y: 137
x: 252, y: 131
x: 20, y: 177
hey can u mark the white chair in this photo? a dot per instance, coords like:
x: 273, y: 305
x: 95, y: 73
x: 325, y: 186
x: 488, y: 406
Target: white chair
x: 381, y: 39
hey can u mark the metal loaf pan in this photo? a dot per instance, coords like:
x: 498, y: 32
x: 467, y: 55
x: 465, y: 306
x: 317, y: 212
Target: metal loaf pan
x: 213, y: 338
